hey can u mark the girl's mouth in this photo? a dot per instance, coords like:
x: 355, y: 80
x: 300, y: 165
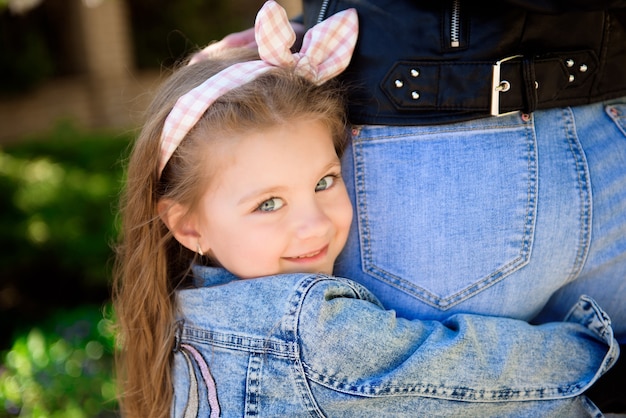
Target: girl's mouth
x: 312, y: 256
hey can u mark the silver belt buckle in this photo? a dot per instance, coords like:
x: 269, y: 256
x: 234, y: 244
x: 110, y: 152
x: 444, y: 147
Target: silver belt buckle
x: 499, y: 86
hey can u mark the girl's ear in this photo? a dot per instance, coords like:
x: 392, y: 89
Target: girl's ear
x: 184, y: 228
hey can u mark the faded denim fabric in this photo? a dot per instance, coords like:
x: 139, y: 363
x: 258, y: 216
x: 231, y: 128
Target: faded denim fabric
x: 511, y: 216
x: 302, y: 345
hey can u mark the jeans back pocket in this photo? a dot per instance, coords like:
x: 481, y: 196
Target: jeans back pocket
x: 465, y: 197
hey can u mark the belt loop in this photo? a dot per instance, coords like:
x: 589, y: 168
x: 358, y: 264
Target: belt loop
x: 530, y: 85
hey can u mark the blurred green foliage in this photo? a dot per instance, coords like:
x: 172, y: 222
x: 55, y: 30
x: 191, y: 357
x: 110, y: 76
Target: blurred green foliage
x: 61, y: 368
x: 57, y: 223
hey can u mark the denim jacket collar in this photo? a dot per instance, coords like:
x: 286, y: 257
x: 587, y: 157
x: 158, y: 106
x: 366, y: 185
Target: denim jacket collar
x: 211, y: 276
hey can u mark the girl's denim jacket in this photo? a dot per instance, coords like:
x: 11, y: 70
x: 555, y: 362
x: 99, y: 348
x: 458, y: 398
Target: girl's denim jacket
x: 310, y: 345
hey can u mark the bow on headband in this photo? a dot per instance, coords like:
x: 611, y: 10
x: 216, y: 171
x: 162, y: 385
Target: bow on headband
x: 326, y: 51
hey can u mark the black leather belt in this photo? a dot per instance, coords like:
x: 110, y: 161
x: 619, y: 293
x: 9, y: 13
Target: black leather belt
x: 510, y: 84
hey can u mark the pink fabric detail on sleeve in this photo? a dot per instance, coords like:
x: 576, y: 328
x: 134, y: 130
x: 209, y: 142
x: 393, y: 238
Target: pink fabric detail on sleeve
x: 208, y: 380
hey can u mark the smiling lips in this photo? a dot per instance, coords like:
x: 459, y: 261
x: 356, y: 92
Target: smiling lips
x: 310, y: 256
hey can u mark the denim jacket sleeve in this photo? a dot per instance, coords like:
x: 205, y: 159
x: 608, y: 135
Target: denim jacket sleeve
x: 352, y: 346
x: 309, y: 345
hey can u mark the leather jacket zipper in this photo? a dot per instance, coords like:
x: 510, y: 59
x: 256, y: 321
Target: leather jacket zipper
x: 455, y: 21
x: 323, y: 10
x: 455, y: 24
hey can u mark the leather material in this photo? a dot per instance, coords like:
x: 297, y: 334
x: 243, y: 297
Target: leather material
x: 455, y: 79
x: 532, y: 83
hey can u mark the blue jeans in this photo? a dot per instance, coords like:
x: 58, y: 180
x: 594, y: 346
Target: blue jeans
x: 511, y: 216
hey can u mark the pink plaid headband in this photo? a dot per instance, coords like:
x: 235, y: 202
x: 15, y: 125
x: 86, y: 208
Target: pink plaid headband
x: 326, y: 51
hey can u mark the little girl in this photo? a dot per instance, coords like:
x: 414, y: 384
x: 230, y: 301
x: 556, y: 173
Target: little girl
x: 233, y: 215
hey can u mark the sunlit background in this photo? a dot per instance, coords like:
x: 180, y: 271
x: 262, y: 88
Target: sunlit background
x: 75, y: 76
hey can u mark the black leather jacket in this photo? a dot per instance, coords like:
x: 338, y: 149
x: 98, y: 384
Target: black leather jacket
x: 428, y: 62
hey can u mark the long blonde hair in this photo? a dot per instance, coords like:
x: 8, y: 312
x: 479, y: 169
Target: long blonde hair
x: 150, y: 263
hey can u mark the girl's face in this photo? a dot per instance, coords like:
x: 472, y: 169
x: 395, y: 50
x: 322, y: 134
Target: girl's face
x: 276, y: 203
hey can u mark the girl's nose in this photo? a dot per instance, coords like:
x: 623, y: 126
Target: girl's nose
x: 312, y: 222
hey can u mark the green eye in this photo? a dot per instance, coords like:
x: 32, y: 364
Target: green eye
x: 325, y: 183
x: 271, y: 205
